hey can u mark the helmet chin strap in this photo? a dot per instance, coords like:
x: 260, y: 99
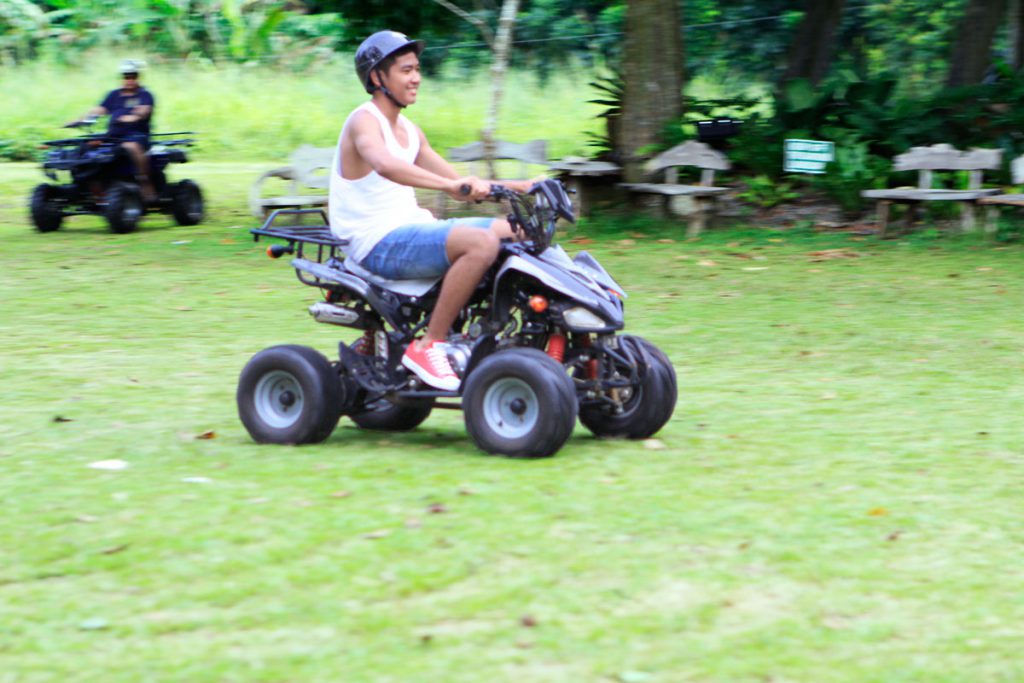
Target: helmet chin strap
x: 384, y: 89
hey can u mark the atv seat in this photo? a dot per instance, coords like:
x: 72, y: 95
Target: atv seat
x: 417, y: 287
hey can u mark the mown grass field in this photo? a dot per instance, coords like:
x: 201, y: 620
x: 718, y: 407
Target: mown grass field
x: 837, y: 498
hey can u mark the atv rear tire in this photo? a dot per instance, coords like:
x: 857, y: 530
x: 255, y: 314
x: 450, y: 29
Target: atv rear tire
x: 124, y: 207
x: 47, y: 214
x: 519, y: 403
x: 289, y: 395
x: 648, y: 408
x: 186, y: 203
x: 385, y: 416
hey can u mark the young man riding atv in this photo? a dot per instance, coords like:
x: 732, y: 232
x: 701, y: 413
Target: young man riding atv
x: 131, y: 109
x: 381, y: 157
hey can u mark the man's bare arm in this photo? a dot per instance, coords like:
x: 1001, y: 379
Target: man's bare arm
x: 369, y: 144
x: 139, y: 113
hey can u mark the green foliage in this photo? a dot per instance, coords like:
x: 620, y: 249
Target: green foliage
x: 21, y: 148
x: 611, y: 90
x: 853, y: 171
x: 767, y: 192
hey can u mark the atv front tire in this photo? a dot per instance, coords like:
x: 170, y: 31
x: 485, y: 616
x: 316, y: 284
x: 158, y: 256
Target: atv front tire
x: 650, y: 403
x: 519, y: 403
x: 186, y: 203
x: 124, y: 207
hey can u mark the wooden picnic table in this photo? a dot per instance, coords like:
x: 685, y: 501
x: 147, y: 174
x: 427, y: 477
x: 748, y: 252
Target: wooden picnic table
x: 584, y: 177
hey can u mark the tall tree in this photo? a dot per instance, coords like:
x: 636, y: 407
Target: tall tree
x: 500, y: 43
x: 1016, y: 37
x: 972, y: 44
x: 653, y: 75
x: 811, y: 52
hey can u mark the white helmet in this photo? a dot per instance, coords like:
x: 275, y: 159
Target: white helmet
x: 132, y: 66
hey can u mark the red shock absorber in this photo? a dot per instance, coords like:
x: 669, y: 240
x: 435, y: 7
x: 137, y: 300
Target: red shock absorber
x: 556, y: 346
x: 592, y: 363
x: 365, y: 344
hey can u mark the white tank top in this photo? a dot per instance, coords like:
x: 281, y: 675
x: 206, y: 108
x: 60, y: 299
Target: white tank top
x: 363, y: 211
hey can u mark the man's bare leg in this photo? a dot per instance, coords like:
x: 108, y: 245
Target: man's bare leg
x: 141, y: 162
x: 471, y: 252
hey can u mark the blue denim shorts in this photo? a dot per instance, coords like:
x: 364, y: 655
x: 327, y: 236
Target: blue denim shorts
x: 416, y: 251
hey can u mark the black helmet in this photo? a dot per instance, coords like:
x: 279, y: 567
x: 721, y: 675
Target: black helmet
x: 379, y: 47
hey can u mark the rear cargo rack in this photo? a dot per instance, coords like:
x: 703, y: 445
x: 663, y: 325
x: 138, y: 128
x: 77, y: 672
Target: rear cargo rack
x: 314, y: 267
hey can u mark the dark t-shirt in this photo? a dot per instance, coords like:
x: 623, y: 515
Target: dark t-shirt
x: 119, y: 103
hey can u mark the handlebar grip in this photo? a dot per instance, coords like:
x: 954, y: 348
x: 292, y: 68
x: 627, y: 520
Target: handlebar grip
x: 279, y: 250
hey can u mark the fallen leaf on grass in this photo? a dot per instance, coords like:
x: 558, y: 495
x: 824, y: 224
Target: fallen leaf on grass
x: 182, y: 308
x: 983, y: 269
x: 113, y: 550
x: 341, y: 494
x: 111, y: 465
x: 528, y: 621
x: 437, y: 508
x: 750, y: 268
x: 739, y: 254
x: 61, y: 418
x: 627, y: 243
x: 209, y: 434
x: 666, y: 241
x: 832, y: 254
x: 878, y: 512
x: 380, y: 533
x: 653, y: 444
x: 581, y: 240
x: 894, y: 535
x: 707, y: 263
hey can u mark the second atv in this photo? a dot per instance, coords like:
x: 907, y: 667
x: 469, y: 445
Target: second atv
x: 102, y: 182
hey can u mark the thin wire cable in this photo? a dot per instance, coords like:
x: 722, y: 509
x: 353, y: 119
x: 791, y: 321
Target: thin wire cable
x: 712, y: 24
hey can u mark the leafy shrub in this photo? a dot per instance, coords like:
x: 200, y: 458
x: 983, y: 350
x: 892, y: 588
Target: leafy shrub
x: 767, y: 192
x: 855, y: 169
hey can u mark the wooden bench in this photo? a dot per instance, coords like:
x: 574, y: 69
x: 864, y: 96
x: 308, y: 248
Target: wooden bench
x: 689, y: 153
x: 586, y: 179
x: 308, y: 169
x: 927, y: 160
x: 993, y: 202
x: 526, y: 153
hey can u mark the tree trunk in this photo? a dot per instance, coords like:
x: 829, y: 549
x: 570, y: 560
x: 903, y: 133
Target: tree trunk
x: 1016, y: 38
x: 499, y: 63
x: 811, y: 53
x: 653, y: 74
x: 972, y: 44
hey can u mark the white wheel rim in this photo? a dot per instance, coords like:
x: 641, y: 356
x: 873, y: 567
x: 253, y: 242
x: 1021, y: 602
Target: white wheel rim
x: 278, y: 399
x: 131, y: 211
x: 510, y: 408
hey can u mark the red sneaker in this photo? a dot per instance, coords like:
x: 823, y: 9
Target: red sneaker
x: 431, y: 365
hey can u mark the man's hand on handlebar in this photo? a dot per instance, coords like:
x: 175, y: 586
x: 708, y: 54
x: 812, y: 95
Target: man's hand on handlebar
x: 469, y: 189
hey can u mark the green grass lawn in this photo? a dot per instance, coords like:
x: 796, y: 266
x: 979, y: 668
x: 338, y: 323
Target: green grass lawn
x: 837, y: 498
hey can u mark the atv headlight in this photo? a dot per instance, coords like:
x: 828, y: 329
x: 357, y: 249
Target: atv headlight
x: 579, y: 318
